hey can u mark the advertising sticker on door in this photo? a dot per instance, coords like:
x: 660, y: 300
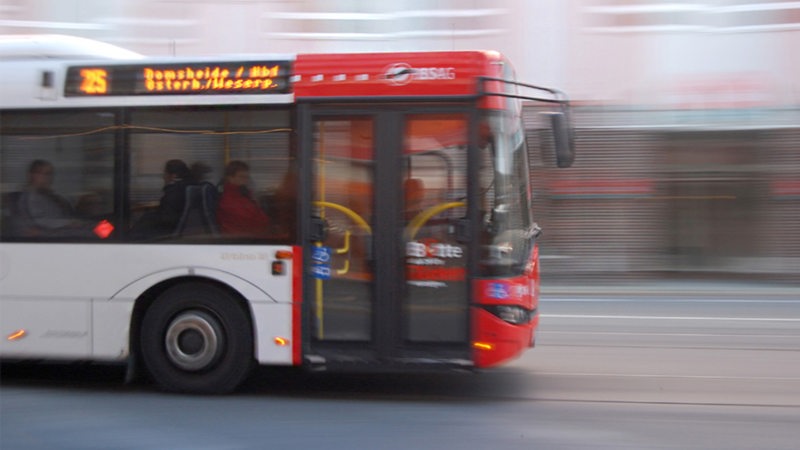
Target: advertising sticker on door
x: 431, y: 263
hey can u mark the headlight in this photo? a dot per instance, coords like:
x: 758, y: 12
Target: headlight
x: 512, y: 314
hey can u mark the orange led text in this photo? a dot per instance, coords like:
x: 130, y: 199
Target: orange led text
x: 94, y: 81
x: 210, y: 78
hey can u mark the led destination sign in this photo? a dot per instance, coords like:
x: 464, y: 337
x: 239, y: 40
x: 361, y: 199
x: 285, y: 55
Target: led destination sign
x: 255, y: 77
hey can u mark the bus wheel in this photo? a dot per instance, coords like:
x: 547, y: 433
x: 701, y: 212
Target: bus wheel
x: 197, y: 338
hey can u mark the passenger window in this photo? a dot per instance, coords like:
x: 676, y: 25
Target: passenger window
x: 191, y: 202
x: 57, y: 176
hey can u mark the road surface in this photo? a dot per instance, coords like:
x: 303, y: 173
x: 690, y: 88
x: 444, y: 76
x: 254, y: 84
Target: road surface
x: 607, y: 373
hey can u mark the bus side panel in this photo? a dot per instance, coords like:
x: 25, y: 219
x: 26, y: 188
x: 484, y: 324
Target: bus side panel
x: 111, y: 327
x: 273, y: 331
x: 40, y: 327
x: 108, y: 271
x: 277, y: 327
x: 74, y: 301
x: 244, y: 286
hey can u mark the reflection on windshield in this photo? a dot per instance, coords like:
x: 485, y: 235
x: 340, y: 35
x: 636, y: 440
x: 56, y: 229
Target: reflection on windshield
x: 508, y: 227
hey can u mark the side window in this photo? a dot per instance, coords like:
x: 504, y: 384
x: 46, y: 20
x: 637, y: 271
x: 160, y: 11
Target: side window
x: 211, y: 174
x: 57, y: 173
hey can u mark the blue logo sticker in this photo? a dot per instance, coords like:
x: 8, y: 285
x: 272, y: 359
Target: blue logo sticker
x: 321, y: 255
x: 321, y: 271
x: 498, y: 290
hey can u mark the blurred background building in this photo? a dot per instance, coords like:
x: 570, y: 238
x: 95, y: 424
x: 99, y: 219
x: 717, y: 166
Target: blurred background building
x: 687, y: 111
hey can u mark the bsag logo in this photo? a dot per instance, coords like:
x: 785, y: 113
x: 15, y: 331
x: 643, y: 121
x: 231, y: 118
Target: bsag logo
x: 400, y: 74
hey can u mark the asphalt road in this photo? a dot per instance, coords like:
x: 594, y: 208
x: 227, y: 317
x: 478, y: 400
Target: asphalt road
x: 626, y: 373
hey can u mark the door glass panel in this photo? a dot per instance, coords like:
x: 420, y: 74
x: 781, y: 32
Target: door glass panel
x: 434, y: 183
x: 342, y: 194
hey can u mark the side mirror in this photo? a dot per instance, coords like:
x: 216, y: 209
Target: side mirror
x: 563, y: 138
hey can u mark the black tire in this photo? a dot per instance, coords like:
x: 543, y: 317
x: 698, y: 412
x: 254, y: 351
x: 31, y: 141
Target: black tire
x: 196, y: 338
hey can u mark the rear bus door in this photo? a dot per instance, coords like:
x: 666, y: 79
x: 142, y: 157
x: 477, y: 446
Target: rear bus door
x: 385, y: 265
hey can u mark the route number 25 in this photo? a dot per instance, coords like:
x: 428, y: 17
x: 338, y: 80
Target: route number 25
x: 94, y: 81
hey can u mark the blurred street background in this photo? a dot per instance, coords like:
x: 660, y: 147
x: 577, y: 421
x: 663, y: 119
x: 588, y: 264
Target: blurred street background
x: 687, y: 112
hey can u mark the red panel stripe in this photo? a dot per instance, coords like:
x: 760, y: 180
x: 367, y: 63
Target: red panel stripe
x: 297, y: 305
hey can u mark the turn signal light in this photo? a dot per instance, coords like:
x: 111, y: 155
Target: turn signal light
x: 483, y: 345
x: 283, y: 254
x: 19, y: 334
x: 281, y: 341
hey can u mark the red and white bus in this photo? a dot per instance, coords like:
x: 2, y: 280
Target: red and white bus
x: 396, y: 186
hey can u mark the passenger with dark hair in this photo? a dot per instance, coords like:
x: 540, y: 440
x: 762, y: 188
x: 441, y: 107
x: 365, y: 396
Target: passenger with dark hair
x: 199, y: 171
x: 238, y: 213
x: 176, y: 178
x: 40, y: 211
x: 164, y: 219
x: 45, y: 209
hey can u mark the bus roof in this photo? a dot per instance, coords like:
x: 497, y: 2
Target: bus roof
x: 55, y: 46
x: 51, y: 71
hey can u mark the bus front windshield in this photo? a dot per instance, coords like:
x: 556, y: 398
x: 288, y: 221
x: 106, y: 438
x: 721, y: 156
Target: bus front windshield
x: 508, y: 228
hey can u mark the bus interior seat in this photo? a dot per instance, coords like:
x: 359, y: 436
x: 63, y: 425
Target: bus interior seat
x: 15, y: 219
x: 199, y: 215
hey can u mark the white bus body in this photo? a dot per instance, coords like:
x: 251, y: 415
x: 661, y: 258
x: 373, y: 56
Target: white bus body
x: 76, y: 301
x: 92, y: 321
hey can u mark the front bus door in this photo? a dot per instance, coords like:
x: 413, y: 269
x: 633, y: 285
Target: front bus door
x: 386, y: 266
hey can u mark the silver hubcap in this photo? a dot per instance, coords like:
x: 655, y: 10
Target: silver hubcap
x: 193, y: 340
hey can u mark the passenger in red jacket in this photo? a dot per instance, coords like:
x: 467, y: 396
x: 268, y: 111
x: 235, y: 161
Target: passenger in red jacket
x: 238, y: 214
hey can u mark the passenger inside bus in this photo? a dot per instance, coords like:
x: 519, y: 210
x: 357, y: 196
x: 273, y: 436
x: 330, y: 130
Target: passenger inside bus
x: 414, y: 190
x: 164, y: 219
x: 238, y: 214
x: 39, y: 211
x: 282, y: 209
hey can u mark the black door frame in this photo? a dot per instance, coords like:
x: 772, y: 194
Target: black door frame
x: 387, y: 346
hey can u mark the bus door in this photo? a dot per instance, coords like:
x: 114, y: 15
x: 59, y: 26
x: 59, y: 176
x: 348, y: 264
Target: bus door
x: 386, y: 270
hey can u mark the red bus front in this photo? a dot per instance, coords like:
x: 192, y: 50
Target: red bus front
x: 422, y: 246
